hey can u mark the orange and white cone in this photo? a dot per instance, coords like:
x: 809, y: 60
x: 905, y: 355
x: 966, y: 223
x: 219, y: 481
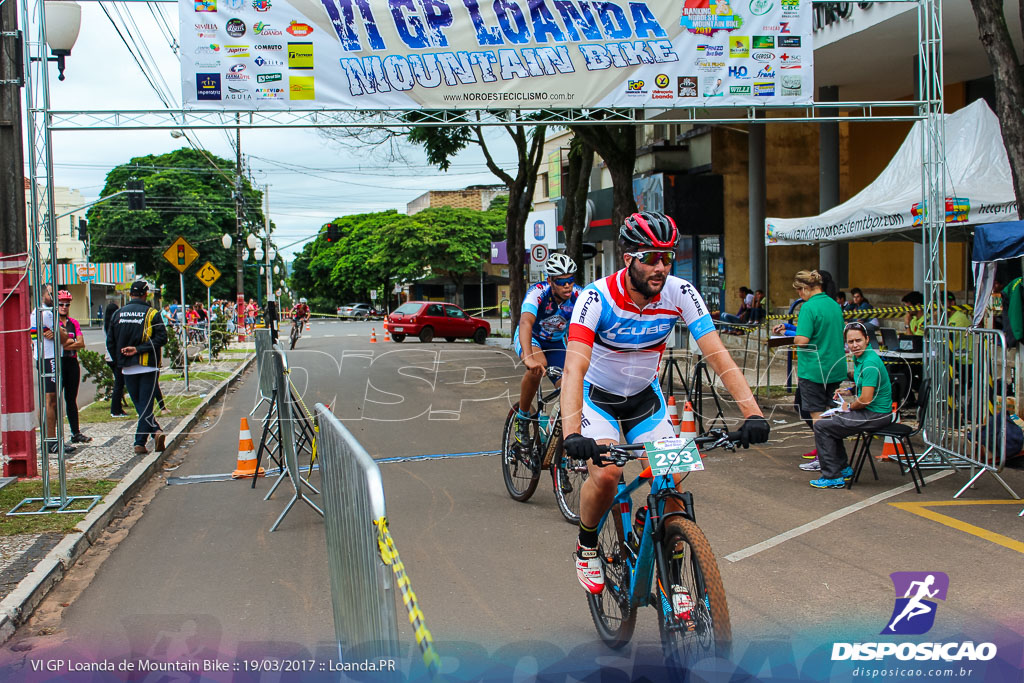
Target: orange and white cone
x: 688, y: 428
x: 246, y: 454
x: 673, y: 413
x: 373, y: 335
x: 308, y: 326
x: 891, y: 448
x: 387, y: 336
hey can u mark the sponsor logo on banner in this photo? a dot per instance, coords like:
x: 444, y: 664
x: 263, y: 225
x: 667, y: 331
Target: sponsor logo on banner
x: 789, y: 41
x: 739, y: 46
x: 262, y: 61
x: 761, y: 7
x: 709, y: 50
x: 763, y: 43
x: 234, y: 93
x: 739, y: 72
x: 237, y: 68
x: 261, y: 5
x: 300, y: 56
x: 205, y: 36
x: 715, y: 91
x: 208, y: 86
x: 708, y: 17
x: 206, y: 6
x: 235, y: 28
x: 268, y: 78
x: 234, y: 5
x: 299, y: 29
x: 209, y: 26
x: 791, y: 84
x: 763, y: 56
x: 764, y: 88
x: 686, y: 86
x: 300, y: 88
x: 739, y: 90
x: 268, y: 47
x: 709, y: 65
x: 635, y: 88
x: 789, y: 61
x: 236, y: 77
x: 781, y: 27
x: 270, y: 93
x: 262, y: 29
x: 213, y: 64
x: 237, y: 51
x: 766, y: 72
x: 210, y: 49
x: 661, y: 81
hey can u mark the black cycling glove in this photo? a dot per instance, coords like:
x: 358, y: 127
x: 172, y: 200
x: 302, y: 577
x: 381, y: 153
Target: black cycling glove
x: 755, y: 429
x: 580, y: 447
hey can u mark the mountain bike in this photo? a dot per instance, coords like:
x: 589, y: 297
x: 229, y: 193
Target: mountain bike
x: 296, y: 332
x: 522, y: 463
x: 693, y: 616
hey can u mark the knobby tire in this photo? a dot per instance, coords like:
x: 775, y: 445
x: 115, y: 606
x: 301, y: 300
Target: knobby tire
x: 611, y: 611
x: 520, y: 472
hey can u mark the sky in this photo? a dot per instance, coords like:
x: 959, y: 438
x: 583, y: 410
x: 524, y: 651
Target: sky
x: 311, y: 178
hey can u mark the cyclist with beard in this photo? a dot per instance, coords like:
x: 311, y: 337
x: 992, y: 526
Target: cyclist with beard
x: 616, y: 337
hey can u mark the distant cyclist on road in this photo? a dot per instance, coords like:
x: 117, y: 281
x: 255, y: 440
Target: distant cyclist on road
x: 543, y: 322
x: 300, y: 312
x: 616, y: 338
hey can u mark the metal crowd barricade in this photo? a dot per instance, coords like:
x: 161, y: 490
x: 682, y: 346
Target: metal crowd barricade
x: 264, y: 349
x: 287, y: 435
x: 362, y: 588
x: 965, y: 423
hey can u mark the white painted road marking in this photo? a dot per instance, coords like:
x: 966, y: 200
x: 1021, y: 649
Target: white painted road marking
x: 830, y: 517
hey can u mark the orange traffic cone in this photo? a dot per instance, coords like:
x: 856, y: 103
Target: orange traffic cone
x: 246, y: 454
x: 308, y: 326
x: 688, y: 428
x: 373, y: 335
x: 891, y: 448
x: 673, y: 414
x: 387, y: 337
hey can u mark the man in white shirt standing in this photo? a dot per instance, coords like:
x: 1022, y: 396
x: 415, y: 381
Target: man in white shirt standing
x: 45, y: 330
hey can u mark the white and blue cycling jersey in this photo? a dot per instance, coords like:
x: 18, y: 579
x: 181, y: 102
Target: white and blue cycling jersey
x: 551, y: 318
x: 628, y: 341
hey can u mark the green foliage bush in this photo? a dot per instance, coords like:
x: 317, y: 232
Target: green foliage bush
x: 98, y: 371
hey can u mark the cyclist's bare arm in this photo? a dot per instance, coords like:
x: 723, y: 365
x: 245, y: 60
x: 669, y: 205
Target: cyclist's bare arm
x: 535, y: 362
x: 725, y: 367
x: 577, y: 361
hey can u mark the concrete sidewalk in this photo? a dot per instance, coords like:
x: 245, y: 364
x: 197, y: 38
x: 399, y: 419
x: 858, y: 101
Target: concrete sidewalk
x: 31, y: 564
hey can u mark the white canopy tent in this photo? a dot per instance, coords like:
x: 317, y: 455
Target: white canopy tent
x: 979, y: 188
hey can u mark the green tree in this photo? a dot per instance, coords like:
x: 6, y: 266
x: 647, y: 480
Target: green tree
x: 186, y: 195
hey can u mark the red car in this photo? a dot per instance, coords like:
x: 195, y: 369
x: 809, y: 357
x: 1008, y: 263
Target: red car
x: 429, y: 319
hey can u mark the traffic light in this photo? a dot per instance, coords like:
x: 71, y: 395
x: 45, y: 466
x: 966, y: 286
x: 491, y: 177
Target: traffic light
x: 136, y: 195
x: 83, y: 230
x: 333, y: 234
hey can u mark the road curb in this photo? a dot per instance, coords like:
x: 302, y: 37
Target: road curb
x: 19, y: 605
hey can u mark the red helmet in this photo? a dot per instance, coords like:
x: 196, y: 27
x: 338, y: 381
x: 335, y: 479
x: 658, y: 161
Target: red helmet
x: 649, y: 229
x: 64, y: 295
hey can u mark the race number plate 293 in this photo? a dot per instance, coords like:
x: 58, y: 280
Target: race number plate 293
x: 669, y: 456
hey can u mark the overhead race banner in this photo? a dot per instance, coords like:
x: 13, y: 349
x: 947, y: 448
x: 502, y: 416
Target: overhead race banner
x: 494, y: 54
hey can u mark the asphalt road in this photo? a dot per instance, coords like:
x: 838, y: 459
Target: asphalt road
x: 200, y: 567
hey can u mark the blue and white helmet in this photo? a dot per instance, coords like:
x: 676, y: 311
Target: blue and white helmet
x: 559, y: 264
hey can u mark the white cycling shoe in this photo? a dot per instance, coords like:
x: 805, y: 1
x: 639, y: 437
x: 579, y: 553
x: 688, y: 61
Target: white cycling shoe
x: 589, y: 569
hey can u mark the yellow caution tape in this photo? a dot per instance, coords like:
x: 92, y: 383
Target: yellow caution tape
x: 389, y: 555
x: 877, y: 312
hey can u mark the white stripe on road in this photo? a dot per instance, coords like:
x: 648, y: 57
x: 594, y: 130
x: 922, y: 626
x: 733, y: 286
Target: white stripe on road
x: 831, y: 517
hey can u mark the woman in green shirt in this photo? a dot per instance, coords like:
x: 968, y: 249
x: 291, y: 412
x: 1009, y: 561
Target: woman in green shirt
x: 818, y: 336
x: 868, y: 410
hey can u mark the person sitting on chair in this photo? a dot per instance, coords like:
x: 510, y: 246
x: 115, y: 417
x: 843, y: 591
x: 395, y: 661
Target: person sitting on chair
x: 868, y: 410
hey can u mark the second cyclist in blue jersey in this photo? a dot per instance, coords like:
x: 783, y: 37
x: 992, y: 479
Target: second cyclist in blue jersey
x: 543, y: 322
x: 618, y: 331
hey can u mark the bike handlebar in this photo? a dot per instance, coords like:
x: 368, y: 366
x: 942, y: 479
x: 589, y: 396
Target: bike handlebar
x: 621, y: 453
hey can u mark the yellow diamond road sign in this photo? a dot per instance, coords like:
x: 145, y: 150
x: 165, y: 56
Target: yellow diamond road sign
x: 208, y: 274
x: 181, y: 254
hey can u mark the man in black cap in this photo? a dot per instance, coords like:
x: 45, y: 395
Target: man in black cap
x: 135, y: 333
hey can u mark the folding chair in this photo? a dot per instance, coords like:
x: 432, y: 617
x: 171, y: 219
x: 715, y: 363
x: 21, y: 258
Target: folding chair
x: 902, y: 434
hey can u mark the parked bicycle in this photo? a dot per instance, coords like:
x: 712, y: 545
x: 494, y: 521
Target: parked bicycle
x: 522, y: 463
x: 693, y: 616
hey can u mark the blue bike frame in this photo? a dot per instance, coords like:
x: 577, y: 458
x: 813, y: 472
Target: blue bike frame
x: 641, y: 562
